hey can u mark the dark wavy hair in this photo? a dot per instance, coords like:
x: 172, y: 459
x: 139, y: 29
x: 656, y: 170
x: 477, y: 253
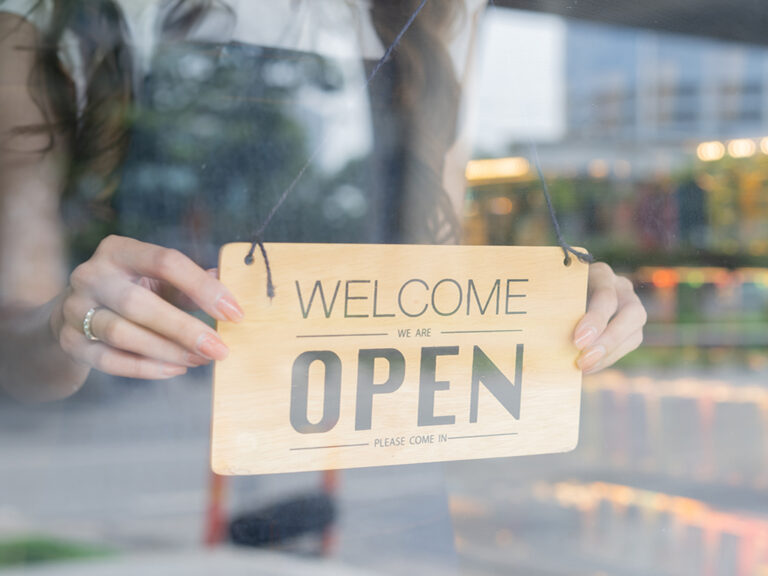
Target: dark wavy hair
x: 424, y: 96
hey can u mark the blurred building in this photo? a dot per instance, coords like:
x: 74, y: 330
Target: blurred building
x: 660, y: 143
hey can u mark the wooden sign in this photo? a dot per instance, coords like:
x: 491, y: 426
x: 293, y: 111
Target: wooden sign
x: 372, y: 355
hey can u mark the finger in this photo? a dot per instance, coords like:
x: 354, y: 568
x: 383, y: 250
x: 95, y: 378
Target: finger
x: 75, y: 308
x: 625, y: 326
x: 119, y: 363
x: 630, y: 344
x: 172, y: 294
x: 182, y: 273
x: 106, y: 359
x: 628, y: 321
x: 631, y: 315
x: 145, y: 308
x: 123, y: 334
x: 168, y: 293
x: 603, y: 303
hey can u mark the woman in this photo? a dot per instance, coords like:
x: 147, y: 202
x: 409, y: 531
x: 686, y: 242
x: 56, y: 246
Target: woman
x: 68, y: 124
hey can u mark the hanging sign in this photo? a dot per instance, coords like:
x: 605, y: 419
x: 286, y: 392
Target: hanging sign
x: 372, y: 355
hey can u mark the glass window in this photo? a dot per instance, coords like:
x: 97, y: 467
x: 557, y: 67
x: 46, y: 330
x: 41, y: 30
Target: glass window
x: 138, y: 137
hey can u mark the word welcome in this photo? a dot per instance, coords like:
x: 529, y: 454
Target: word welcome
x: 414, y: 298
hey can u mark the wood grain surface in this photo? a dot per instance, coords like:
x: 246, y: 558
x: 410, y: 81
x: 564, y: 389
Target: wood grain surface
x: 410, y: 354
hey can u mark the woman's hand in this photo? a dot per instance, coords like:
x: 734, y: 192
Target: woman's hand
x: 140, y: 333
x: 613, y: 324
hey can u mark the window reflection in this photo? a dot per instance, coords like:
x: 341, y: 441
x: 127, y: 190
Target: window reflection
x: 655, y: 147
x: 659, y: 165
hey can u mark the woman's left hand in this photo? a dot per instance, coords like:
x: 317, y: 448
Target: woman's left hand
x: 613, y: 324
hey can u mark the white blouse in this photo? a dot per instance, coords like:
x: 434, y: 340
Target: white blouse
x: 332, y: 28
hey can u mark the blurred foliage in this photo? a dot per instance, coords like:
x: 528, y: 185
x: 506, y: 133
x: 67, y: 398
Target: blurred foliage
x: 39, y: 549
x: 751, y: 359
x: 709, y: 214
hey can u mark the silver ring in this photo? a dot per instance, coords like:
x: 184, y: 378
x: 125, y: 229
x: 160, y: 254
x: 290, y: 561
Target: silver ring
x: 87, y: 321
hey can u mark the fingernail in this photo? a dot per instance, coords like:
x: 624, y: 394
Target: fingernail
x: 585, y: 336
x: 170, y: 370
x: 193, y: 360
x: 588, y: 360
x: 211, y: 347
x: 229, y: 308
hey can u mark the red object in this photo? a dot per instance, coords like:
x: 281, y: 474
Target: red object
x: 330, y: 486
x: 665, y: 278
x: 216, y: 516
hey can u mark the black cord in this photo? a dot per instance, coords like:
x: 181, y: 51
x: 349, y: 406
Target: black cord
x: 258, y: 235
x: 249, y: 260
x: 583, y: 256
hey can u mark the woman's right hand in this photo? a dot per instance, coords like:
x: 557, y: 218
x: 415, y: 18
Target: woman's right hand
x: 141, y: 334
